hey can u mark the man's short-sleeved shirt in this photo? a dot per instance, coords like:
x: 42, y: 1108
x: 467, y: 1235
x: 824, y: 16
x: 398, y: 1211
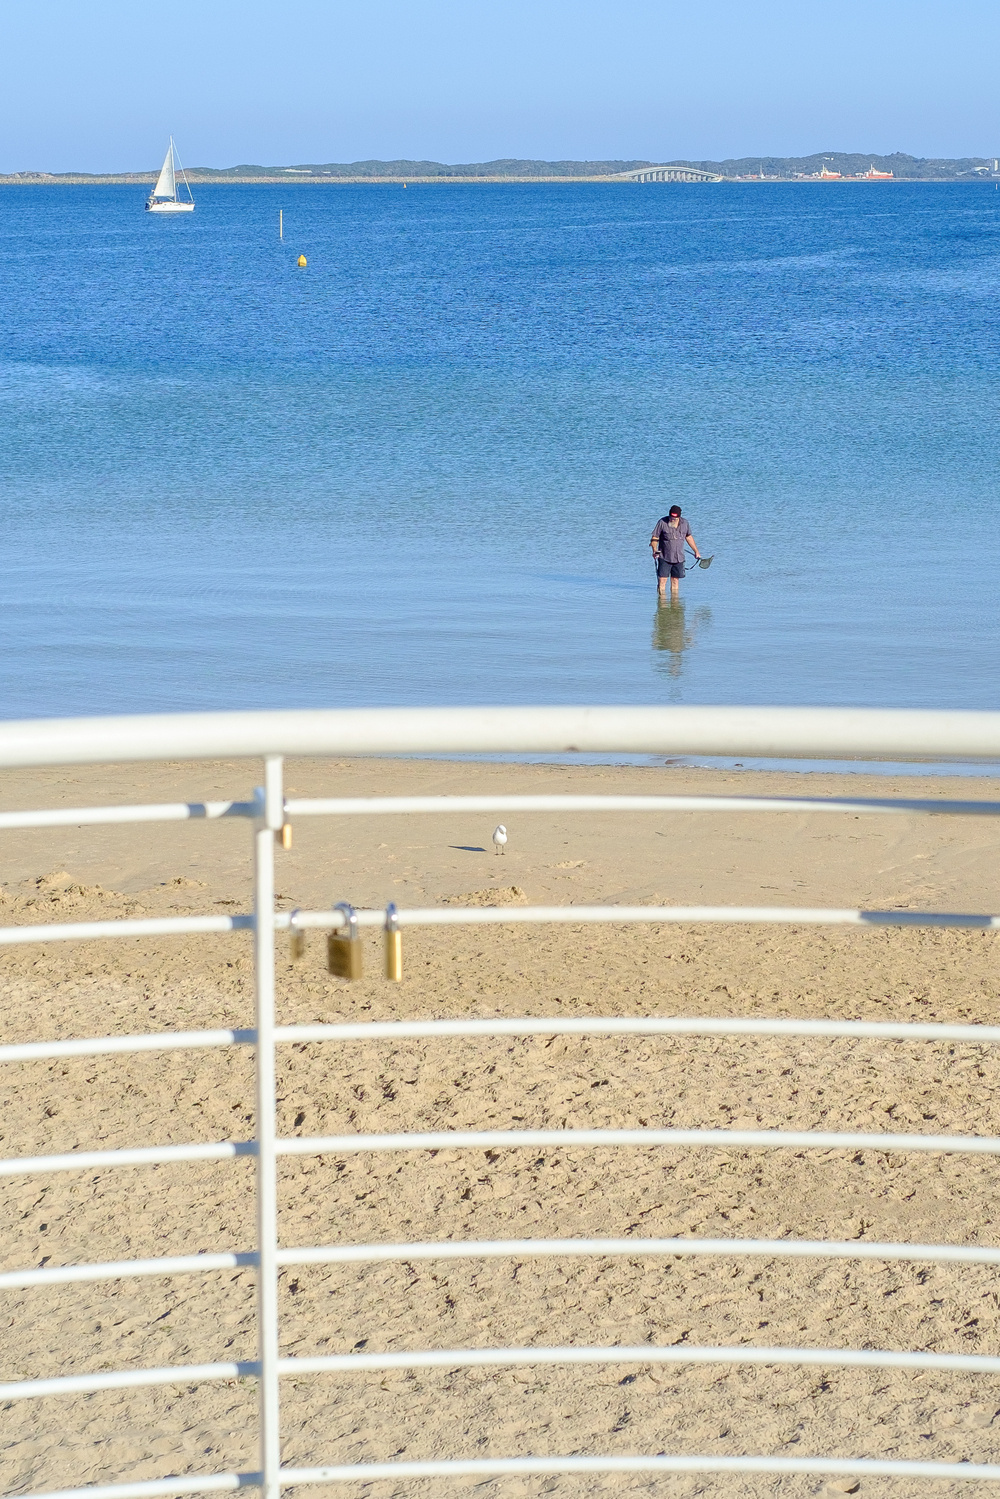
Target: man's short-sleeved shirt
x: 670, y: 539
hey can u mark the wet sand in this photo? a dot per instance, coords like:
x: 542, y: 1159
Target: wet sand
x: 800, y: 859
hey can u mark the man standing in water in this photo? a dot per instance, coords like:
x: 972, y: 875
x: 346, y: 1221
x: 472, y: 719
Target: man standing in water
x: 667, y: 541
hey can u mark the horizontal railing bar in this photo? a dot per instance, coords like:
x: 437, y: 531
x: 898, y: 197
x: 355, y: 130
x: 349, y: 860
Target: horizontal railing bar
x: 861, y: 1467
x: 181, y: 1264
x: 787, y: 733
x: 485, y: 1467
x: 161, y: 1488
x: 126, y: 1379
x: 372, y: 806
x: 679, y: 1353
x: 67, y: 817
x: 157, y: 1488
x: 151, y: 926
x: 399, y: 1030
x: 30, y: 1051
x: 469, y: 1249
x: 665, y: 1025
x: 165, y: 926
x: 513, y: 1139
x: 369, y: 806
x: 479, y: 1358
x: 580, y: 915
x: 106, y: 1160
x: 838, y: 1249
x: 722, y: 1139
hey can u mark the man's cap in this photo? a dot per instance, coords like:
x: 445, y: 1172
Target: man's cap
x: 675, y: 510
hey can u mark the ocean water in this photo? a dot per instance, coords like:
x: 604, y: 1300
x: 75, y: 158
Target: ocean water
x: 425, y: 468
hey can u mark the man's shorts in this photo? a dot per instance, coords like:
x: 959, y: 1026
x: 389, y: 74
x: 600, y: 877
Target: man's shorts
x: 665, y: 569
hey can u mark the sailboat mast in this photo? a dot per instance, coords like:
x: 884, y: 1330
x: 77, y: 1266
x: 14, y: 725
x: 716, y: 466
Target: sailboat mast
x: 176, y: 162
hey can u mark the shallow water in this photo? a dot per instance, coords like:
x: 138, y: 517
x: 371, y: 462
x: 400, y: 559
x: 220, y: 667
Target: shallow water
x: 425, y: 468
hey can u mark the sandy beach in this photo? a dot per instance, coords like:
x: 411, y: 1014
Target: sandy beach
x: 802, y: 859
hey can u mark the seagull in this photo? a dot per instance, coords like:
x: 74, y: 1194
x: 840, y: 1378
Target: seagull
x: 499, y: 838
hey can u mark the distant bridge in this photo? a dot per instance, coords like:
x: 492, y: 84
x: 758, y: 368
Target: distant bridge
x: 668, y: 174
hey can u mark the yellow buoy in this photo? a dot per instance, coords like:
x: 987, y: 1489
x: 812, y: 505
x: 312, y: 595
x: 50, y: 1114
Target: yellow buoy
x: 302, y: 260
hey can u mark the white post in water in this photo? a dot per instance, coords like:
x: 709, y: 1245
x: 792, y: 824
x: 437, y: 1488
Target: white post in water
x: 268, y: 821
x: 281, y: 224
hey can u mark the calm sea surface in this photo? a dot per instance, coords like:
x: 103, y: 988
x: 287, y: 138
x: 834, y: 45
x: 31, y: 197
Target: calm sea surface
x: 425, y: 468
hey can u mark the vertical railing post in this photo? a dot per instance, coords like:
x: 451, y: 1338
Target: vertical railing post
x: 268, y: 821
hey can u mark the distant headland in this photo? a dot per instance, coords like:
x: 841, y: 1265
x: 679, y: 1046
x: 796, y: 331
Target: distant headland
x: 826, y: 166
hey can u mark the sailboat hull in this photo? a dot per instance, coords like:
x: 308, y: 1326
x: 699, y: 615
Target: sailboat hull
x: 169, y: 207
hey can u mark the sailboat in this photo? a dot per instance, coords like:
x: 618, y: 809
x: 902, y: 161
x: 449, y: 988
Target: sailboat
x: 163, y: 198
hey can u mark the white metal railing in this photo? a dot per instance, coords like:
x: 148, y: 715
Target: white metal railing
x: 785, y: 732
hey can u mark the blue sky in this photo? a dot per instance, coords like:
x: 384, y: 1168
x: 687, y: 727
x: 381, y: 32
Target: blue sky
x: 98, y: 84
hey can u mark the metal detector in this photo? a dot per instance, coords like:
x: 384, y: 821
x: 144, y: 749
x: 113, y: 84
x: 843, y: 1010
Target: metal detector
x: 698, y: 561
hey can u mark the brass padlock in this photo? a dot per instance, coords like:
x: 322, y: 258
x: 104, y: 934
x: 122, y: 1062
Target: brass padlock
x: 296, y: 938
x: 393, y: 945
x: 283, y: 836
x: 343, y: 953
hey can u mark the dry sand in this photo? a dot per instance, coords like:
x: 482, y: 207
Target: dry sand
x: 97, y: 988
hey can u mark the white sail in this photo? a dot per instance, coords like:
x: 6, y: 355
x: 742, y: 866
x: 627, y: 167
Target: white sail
x: 166, y: 187
x: 163, y: 198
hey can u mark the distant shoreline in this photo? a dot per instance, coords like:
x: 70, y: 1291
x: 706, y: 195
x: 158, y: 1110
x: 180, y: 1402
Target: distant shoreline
x: 828, y: 166
x: 23, y: 179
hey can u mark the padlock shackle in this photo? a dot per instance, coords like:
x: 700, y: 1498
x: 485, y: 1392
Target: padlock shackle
x: 352, y: 919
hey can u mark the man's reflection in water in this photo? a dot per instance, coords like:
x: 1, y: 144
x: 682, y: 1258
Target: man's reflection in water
x: 672, y: 635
